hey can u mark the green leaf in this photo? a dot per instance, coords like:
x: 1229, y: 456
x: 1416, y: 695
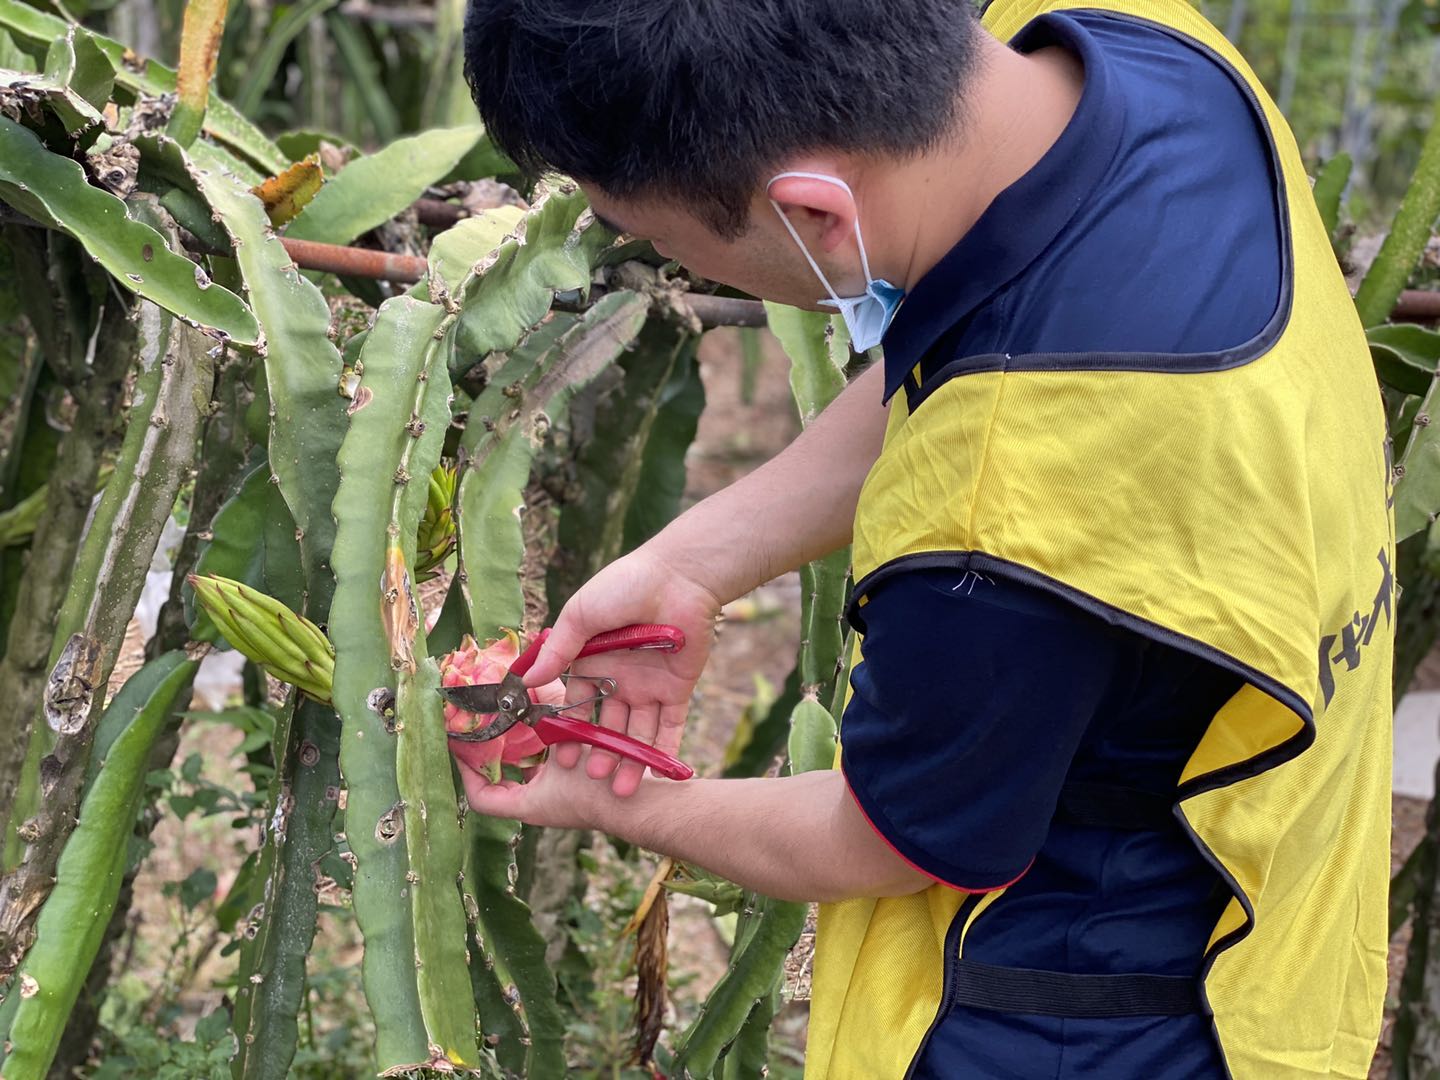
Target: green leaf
x: 371, y: 190
x: 213, y: 1026
x: 1405, y: 355
x: 198, y: 887
x: 1329, y: 187
x: 191, y: 768
x: 54, y: 189
x: 363, y: 75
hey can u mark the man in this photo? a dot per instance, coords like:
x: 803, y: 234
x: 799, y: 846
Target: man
x: 1099, y: 810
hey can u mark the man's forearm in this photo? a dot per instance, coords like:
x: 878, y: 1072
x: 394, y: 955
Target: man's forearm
x: 793, y: 838
x: 798, y: 506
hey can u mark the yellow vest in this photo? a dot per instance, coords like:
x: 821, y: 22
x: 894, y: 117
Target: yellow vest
x: 1239, y: 513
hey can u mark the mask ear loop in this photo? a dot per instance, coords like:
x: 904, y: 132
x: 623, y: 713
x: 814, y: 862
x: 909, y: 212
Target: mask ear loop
x: 859, y: 239
x: 808, y: 257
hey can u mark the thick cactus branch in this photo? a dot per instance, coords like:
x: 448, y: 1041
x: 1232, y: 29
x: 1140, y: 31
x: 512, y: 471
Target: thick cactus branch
x: 397, y: 352
x: 511, y: 945
x: 298, y: 834
x: 46, y: 580
x: 89, y: 873
x: 171, y: 393
x: 307, y: 423
x: 203, y: 25
x: 732, y: 1020
x: 531, y: 392
x: 302, y: 369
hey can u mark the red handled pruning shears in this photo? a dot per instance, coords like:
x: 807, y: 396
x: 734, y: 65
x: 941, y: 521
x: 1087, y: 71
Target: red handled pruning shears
x: 511, y: 704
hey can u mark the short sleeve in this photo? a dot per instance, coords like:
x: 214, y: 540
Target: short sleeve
x: 970, y: 700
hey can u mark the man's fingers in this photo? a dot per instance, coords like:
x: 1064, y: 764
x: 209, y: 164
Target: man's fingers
x: 614, y: 714
x: 671, y: 727
x: 505, y: 799
x: 565, y: 754
x: 567, y: 637
x: 643, y: 724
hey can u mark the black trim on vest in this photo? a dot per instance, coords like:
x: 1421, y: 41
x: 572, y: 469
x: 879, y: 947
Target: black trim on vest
x: 1164, y: 363
x: 951, y: 966
x: 1088, y: 997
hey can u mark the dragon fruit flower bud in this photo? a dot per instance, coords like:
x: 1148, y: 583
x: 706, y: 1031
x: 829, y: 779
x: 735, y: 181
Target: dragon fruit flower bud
x: 470, y: 664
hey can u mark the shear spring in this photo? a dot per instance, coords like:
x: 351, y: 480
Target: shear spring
x: 604, y: 687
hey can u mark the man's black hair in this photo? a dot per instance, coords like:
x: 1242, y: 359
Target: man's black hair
x: 691, y: 101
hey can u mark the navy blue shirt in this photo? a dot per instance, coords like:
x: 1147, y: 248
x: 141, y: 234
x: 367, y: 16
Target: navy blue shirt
x: 1152, y: 225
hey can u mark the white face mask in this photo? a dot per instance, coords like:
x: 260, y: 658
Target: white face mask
x: 867, y: 316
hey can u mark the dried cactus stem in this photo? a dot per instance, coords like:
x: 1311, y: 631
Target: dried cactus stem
x: 105, y: 587
x: 46, y: 580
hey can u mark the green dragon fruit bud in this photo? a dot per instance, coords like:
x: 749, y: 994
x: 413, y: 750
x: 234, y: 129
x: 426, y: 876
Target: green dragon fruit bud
x: 435, y: 538
x: 288, y: 646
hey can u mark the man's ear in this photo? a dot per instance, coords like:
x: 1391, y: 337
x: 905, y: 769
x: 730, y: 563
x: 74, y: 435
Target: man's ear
x: 822, y: 213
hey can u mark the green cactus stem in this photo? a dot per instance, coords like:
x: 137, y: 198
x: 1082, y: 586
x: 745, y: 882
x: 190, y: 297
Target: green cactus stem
x: 513, y: 949
x: 307, y: 423
x: 222, y: 121
x: 397, y: 352
x: 1409, y: 233
x: 528, y: 395
x: 298, y: 834
x: 203, y: 24
x: 89, y: 872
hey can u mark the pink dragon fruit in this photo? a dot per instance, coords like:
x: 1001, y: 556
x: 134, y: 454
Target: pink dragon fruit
x: 471, y: 664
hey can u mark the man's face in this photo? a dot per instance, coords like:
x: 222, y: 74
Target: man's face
x: 763, y: 261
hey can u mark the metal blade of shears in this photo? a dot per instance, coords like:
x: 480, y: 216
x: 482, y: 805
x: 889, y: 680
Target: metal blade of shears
x: 507, y: 699
x: 480, y: 698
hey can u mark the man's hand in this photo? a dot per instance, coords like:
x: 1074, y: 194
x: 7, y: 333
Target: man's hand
x: 653, y: 687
